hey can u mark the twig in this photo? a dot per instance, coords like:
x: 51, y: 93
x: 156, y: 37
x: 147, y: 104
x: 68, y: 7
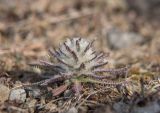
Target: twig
x: 20, y: 110
x: 93, y: 93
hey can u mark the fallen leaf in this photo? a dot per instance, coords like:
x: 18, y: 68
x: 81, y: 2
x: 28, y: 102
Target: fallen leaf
x: 59, y: 90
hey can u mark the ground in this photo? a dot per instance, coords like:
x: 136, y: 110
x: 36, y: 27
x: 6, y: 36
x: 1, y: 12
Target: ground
x: 129, y: 31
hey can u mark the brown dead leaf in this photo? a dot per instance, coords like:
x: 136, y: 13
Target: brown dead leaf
x: 59, y: 90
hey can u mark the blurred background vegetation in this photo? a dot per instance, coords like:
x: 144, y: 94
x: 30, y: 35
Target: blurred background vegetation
x: 29, y: 27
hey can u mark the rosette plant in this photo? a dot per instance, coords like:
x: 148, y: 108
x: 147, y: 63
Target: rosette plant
x: 76, y: 62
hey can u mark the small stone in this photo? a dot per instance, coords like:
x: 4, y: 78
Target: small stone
x: 72, y: 110
x: 118, y: 39
x: 18, y: 95
x: 68, y: 93
x: 33, y: 92
x: 4, y: 93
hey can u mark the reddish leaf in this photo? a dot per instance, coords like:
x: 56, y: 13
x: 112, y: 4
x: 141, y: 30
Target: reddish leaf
x: 59, y: 90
